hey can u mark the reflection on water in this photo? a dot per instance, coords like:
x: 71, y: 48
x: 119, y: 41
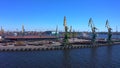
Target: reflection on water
x: 93, y: 58
x: 109, y: 56
x: 101, y: 57
x: 66, y: 59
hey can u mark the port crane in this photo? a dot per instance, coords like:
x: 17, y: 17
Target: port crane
x: 23, y: 30
x: 65, y: 40
x: 109, y: 31
x: 2, y: 30
x: 70, y: 32
x: 93, y: 28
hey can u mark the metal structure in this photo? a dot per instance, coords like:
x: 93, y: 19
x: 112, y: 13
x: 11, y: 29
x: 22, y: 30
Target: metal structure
x: 70, y: 32
x: 109, y: 31
x: 93, y: 28
x: 23, y: 30
x: 65, y: 40
x: 56, y: 33
x: 2, y: 30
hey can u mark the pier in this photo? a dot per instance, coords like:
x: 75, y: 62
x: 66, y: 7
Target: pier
x: 50, y: 47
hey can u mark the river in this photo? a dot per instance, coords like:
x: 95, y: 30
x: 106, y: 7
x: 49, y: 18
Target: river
x: 100, y: 57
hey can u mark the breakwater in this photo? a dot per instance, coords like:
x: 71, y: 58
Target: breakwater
x: 45, y: 48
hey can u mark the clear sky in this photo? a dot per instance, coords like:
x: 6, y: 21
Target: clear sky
x: 46, y: 14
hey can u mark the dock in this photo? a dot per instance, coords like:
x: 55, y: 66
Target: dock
x: 50, y: 47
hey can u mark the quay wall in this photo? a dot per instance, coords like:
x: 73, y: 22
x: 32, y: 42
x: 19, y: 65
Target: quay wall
x: 44, y: 48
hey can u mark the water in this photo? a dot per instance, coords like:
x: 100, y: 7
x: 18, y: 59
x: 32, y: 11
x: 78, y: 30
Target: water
x: 101, y: 57
x: 101, y: 36
x: 105, y: 36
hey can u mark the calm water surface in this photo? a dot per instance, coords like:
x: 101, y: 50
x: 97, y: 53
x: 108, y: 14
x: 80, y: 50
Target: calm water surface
x: 101, y: 57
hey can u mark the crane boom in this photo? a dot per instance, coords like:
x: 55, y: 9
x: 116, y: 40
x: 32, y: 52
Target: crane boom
x: 91, y: 24
x: 107, y: 24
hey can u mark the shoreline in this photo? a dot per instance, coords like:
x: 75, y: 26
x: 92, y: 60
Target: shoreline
x: 50, y: 47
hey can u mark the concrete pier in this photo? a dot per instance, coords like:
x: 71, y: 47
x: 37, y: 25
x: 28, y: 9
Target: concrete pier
x: 43, y: 48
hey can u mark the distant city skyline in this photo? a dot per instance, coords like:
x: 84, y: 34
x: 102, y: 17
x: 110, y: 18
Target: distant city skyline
x: 42, y: 15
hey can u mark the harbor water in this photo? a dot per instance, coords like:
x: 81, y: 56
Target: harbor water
x: 99, y: 57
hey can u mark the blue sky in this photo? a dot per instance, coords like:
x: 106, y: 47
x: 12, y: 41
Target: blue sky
x: 43, y: 15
